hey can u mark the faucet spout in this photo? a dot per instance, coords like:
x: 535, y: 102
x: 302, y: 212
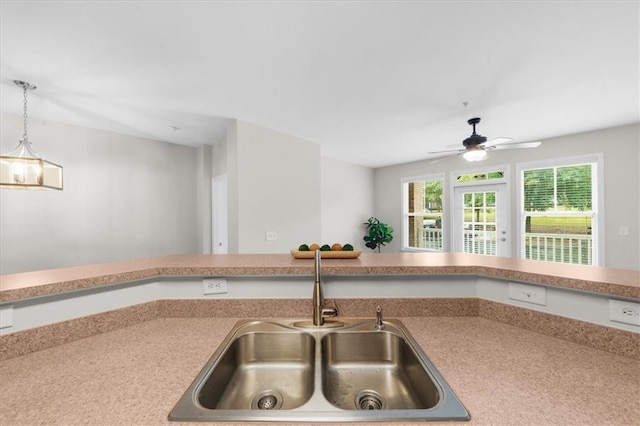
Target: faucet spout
x: 319, y: 312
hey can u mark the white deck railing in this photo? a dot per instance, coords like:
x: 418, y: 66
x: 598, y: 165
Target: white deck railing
x: 430, y: 238
x: 480, y: 242
x: 566, y: 248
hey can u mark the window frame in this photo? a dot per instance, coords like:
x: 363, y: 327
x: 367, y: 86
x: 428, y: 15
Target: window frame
x: 405, y: 212
x: 597, y: 202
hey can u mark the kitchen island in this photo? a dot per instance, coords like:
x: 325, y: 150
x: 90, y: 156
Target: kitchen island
x: 504, y: 375
x: 508, y: 363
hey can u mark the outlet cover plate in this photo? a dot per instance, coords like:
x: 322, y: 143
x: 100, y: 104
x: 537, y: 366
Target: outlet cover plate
x: 624, y: 311
x: 214, y: 285
x: 270, y: 236
x: 528, y: 293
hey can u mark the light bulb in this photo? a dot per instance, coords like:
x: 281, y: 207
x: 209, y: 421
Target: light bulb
x: 475, y: 154
x: 18, y: 170
x: 26, y: 171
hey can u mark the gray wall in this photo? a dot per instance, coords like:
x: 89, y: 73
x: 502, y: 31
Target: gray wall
x: 620, y: 146
x: 124, y: 197
x: 347, y: 202
x: 204, y: 172
x: 281, y: 183
x: 274, y: 185
x: 128, y: 197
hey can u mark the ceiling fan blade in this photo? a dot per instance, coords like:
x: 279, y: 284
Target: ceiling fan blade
x: 437, y: 160
x: 496, y: 141
x: 453, y: 145
x: 476, y: 144
x: 516, y: 145
x: 448, y: 151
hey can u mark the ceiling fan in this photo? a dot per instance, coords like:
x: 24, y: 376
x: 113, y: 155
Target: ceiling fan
x: 476, y: 146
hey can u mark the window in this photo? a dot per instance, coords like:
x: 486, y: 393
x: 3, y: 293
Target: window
x: 560, y: 220
x: 479, y: 176
x: 480, y: 222
x: 422, y: 219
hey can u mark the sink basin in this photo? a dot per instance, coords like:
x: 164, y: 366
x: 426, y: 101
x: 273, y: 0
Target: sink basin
x: 373, y: 371
x: 262, y: 370
x: 345, y: 371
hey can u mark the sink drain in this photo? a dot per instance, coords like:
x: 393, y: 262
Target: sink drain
x: 267, y: 400
x: 369, y: 400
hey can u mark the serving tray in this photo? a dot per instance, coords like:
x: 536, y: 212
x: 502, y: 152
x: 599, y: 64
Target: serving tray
x: 326, y: 254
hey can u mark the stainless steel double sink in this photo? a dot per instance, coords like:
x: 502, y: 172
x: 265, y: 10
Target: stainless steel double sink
x: 343, y: 371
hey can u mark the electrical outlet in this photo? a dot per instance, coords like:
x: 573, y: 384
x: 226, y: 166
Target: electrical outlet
x: 624, y: 311
x: 270, y: 236
x: 528, y: 293
x: 623, y: 231
x: 214, y: 285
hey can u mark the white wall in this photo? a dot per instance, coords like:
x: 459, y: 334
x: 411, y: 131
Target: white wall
x: 231, y: 167
x: 276, y: 179
x: 219, y: 158
x: 347, y: 201
x: 280, y: 183
x: 203, y: 197
x: 128, y: 197
x: 620, y: 146
x: 124, y: 197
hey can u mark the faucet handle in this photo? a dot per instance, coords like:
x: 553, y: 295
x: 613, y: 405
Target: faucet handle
x: 329, y: 312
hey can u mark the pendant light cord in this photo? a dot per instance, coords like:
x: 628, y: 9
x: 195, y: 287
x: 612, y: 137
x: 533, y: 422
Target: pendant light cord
x: 24, y: 115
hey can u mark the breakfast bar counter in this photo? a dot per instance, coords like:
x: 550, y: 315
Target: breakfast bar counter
x: 624, y: 283
x: 503, y: 375
x: 130, y: 365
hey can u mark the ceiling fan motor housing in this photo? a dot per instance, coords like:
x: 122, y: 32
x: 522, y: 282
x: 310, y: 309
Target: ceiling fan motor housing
x: 474, y: 139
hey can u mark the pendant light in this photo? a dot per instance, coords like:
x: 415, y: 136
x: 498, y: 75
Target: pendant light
x: 23, y: 168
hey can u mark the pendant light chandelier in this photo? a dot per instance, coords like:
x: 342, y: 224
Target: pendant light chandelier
x: 23, y: 168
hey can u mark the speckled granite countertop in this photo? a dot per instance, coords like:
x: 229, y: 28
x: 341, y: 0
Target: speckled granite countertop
x: 504, y: 375
x: 601, y: 280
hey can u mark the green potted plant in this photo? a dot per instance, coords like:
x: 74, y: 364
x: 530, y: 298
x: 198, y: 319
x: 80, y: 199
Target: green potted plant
x: 378, y: 234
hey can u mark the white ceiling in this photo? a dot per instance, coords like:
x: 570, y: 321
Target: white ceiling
x: 375, y: 83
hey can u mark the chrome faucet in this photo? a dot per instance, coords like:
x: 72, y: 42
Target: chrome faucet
x: 379, y: 320
x: 320, y: 312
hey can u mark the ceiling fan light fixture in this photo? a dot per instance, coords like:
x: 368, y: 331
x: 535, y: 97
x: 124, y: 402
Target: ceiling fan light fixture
x: 476, y: 146
x: 22, y: 167
x: 474, y: 154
